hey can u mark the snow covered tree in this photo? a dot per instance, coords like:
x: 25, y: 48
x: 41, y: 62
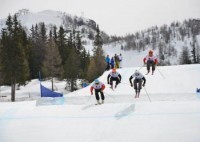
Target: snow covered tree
x: 185, y: 56
x: 198, y: 53
x: 194, y: 50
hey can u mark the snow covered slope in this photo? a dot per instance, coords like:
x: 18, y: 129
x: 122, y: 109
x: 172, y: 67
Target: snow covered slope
x: 28, y: 19
x: 170, y: 113
x: 180, y: 79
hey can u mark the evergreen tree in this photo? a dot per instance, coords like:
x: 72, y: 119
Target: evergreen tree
x: 198, y: 53
x: 1, y: 79
x: 52, y: 61
x: 34, y: 67
x: 55, y: 35
x: 78, y: 43
x: 42, y: 32
x: 85, y: 60
x: 97, y: 64
x: 62, y: 45
x: 92, y: 72
x: 71, y: 69
x: 185, y: 57
x: 83, y: 56
x: 39, y: 41
x: 13, y: 60
x: 194, y: 50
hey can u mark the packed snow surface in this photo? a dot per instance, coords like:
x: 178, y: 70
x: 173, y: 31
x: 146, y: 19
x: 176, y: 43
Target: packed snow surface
x: 168, y: 110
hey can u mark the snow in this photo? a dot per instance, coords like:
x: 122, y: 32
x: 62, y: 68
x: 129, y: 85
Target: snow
x: 131, y: 58
x: 169, y: 110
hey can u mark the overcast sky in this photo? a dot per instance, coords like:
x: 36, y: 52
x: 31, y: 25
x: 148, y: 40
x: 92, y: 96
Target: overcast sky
x: 113, y: 16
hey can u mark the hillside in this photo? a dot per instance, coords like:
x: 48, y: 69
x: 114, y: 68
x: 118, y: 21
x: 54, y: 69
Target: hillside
x: 170, y: 113
x: 180, y: 79
x: 172, y: 80
x: 168, y: 41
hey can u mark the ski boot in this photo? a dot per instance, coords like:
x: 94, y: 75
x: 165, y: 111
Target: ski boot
x: 147, y: 72
x: 111, y: 86
x: 98, y: 102
x: 152, y: 72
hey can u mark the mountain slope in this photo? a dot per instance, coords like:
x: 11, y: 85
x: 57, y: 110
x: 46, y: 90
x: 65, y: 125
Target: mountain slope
x: 167, y: 41
x: 172, y: 114
x: 176, y: 80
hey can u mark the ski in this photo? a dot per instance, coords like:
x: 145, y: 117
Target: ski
x: 111, y: 88
x: 149, y: 72
x: 98, y: 104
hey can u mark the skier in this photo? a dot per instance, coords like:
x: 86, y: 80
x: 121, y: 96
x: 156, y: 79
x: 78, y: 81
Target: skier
x: 107, y: 59
x: 98, y: 87
x: 114, y: 76
x: 137, y: 82
x: 112, y: 63
x: 120, y: 60
x: 116, y: 61
x: 151, y: 61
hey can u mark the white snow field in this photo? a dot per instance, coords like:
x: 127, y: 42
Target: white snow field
x: 168, y: 110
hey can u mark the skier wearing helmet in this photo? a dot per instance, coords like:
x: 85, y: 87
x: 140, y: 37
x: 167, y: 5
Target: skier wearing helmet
x: 150, y: 60
x: 98, y: 87
x: 139, y: 78
x: 114, y: 76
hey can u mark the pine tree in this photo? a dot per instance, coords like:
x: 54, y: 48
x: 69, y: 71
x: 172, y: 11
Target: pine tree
x: 71, y: 69
x: 92, y: 72
x: 198, y: 53
x: 97, y: 64
x: 85, y: 60
x: 39, y: 41
x: 78, y: 43
x: 62, y: 45
x: 55, y: 35
x: 194, y: 50
x: 13, y: 60
x: 33, y: 59
x: 52, y: 61
x: 1, y: 80
x: 185, y: 57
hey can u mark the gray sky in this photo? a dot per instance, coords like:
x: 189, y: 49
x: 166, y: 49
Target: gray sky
x: 113, y: 16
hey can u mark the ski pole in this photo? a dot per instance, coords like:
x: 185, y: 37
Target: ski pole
x: 110, y: 96
x: 89, y: 99
x: 160, y: 73
x: 147, y: 94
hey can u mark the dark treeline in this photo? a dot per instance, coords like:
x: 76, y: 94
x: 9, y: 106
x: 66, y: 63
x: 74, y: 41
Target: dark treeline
x: 54, y: 53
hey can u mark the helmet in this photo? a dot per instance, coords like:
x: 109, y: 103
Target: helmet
x: 150, y: 52
x: 136, y: 71
x: 114, y: 70
x: 96, y: 81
